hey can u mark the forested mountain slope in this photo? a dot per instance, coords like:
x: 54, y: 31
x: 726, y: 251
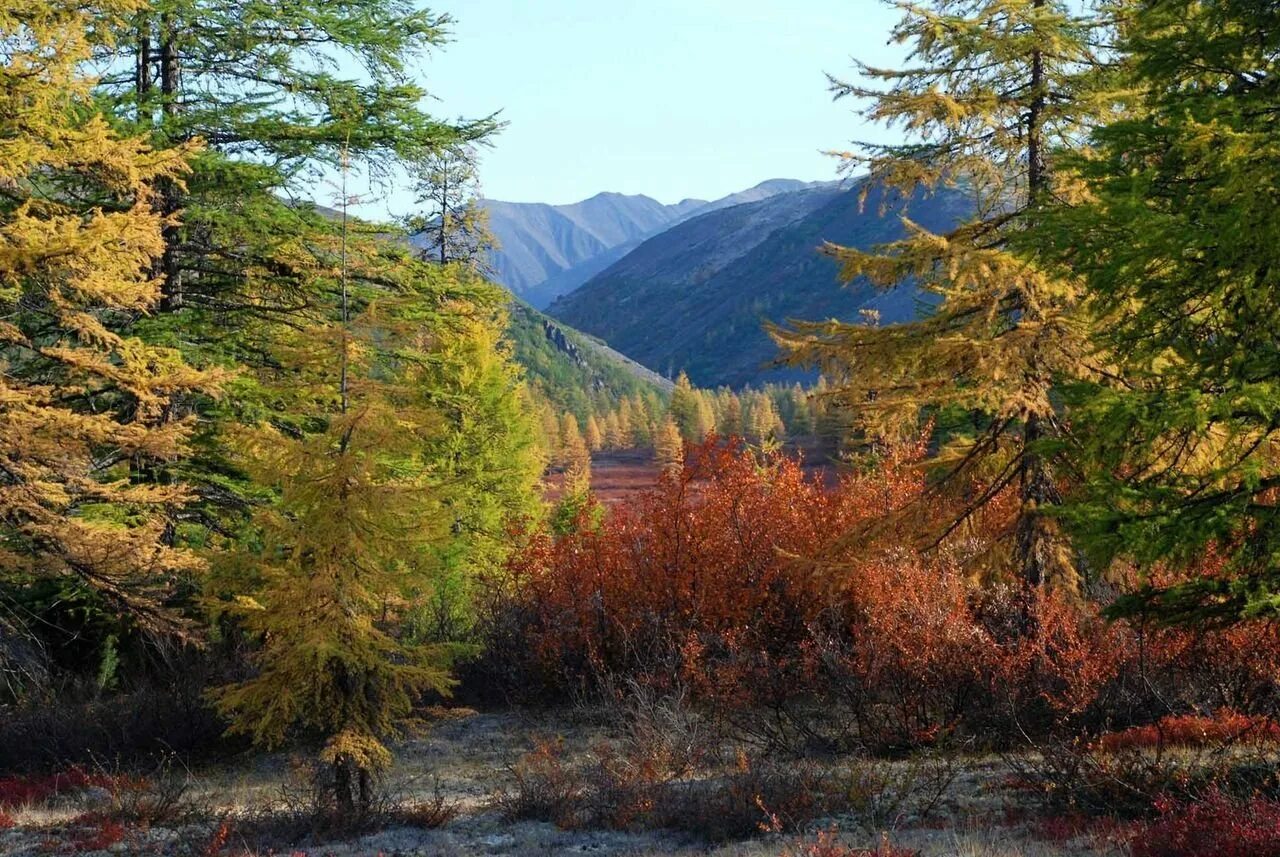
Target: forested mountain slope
x: 573, y: 371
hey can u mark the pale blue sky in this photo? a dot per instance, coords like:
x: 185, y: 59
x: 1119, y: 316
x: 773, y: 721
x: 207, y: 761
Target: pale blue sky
x: 671, y: 98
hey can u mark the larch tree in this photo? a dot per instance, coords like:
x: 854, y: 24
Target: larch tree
x: 450, y: 225
x: 620, y: 425
x: 668, y: 446
x: 686, y: 410
x: 331, y: 573
x: 641, y: 424
x: 992, y: 89
x: 483, y: 459
x: 762, y: 419
x: 574, y: 455
x: 593, y: 436
x: 285, y: 96
x: 1179, y: 245
x: 801, y: 413
x: 85, y: 420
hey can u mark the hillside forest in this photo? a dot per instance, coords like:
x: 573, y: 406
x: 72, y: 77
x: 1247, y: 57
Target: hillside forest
x: 957, y: 536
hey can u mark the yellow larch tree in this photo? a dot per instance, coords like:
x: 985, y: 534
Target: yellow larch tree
x: 331, y: 573
x: 88, y: 424
x: 992, y: 88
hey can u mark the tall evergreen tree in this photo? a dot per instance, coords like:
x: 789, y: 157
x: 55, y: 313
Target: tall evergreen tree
x: 593, y: 436
x: 686, y: 410
x: 483, y: 456
x: 992, y: 89
x: 1179, y: 244
x: 669, y: 446
x: 285, y: 96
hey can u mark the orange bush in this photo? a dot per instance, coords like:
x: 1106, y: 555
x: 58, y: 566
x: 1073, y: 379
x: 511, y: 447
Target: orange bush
x: 759, y: 589
x: 715, y: 559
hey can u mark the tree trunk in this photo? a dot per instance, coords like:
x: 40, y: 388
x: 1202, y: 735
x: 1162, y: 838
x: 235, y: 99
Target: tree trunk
x: 170, y: 193
x: 1042, y: 557
x: 366, y: 791
x: 142, y: 72
x: 344, y: 798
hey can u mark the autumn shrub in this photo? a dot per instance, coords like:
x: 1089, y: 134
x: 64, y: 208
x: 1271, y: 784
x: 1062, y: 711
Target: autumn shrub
x: 1215, y: 825
x: 1224, y: 727
x: 161, y: 797
x: 804, y: 614
x: 94, y: 831
x: 22, y: 791
x: 544, y: 787
x: 733, y: 579
x: 704, y: 557
x: 759, y: 794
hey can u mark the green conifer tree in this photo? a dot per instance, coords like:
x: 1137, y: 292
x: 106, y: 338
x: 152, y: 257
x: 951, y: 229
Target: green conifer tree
x: 327, y: 576
x: 1178, y: 241
x: 685, y: 409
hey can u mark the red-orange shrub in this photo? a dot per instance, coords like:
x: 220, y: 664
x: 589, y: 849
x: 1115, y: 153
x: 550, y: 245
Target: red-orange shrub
x: 1216, y: 826
x: 713, y: 559
x: 95, y: 832
x: 1193, y: 730
x: 21, y: 791
x: 739, y: 579
x: 760, y: 589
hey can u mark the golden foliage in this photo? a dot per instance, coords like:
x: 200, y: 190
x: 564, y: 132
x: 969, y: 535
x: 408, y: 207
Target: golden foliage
x: 88, y: 410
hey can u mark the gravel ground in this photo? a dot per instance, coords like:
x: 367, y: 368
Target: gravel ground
x: 466, y: 759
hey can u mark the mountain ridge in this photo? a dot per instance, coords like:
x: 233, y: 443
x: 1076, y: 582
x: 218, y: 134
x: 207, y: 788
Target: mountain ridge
x: 543, y: 250
x: 693, y: 298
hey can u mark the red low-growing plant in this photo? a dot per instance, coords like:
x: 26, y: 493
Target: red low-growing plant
x: 1214, y: 827
x: 1193, y: 730
x: 753, y: 586
x: 218, y: 841
x: 6, y: 821
x: 22, y: 791
x: 1065, y: 827
x: 758, y: 589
